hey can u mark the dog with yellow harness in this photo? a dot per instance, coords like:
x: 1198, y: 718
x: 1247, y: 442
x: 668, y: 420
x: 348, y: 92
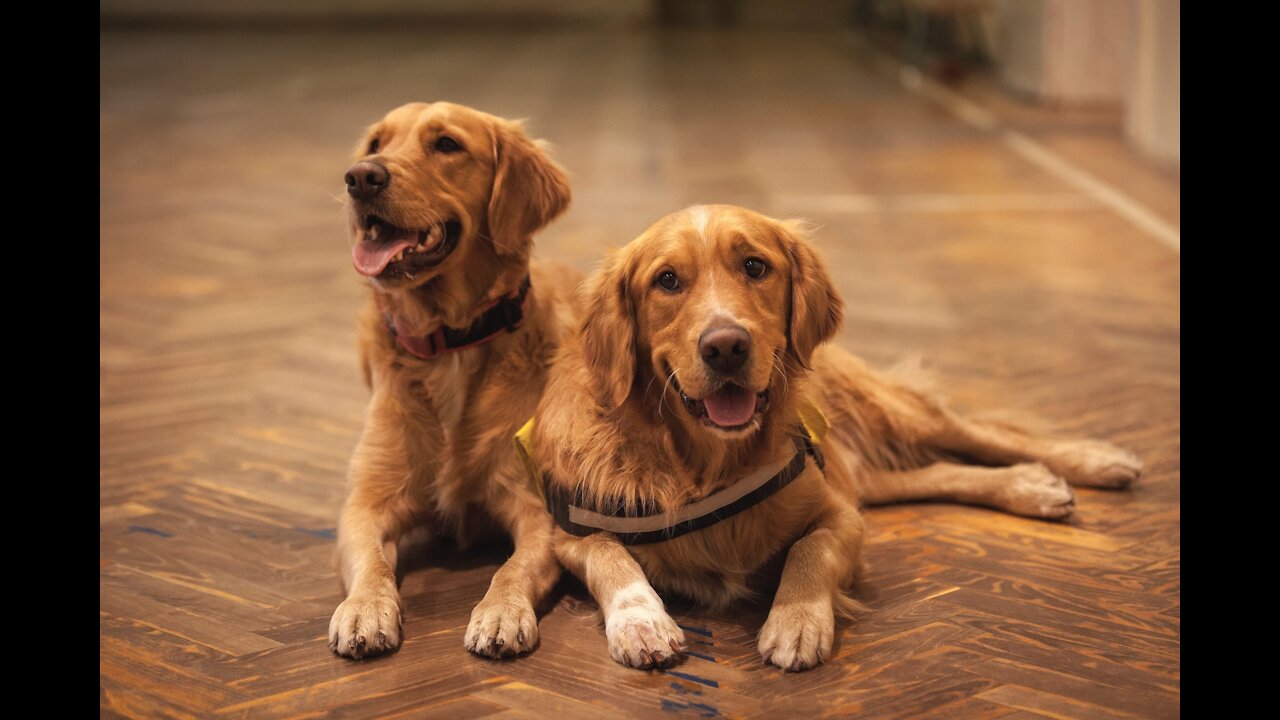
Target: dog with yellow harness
x: 698, y: 427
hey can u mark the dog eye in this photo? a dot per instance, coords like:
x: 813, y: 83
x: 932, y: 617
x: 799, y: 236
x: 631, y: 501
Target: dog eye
x: 755, y: 267
x: 447, y: 144
x: 374, y: 144
x: 668, y: 281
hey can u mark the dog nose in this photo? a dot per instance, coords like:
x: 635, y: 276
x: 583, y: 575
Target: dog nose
x: 725, y: 348
x: 366, y: 179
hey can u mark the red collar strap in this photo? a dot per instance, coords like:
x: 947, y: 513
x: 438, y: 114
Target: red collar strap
x: 504, y: 314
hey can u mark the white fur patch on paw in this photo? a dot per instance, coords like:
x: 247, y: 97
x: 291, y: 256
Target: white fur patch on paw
x: 1094, y: 463
x: 365, y: 624
x: 501, y: 628
x: 798, y: 636
x: 640, y: 632
x: 1033, y: 490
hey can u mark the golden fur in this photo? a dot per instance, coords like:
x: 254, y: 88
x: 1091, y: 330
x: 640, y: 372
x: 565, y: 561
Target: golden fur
x: 613, y: 423
x: 436, y: 446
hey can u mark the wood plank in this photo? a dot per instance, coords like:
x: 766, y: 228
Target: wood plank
x: 1048, y: 704
x: 1125, y: 700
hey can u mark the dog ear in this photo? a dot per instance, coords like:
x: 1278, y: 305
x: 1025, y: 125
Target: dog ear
x: 529, y: 189
x: 816, y: 308
x: 609, y: 330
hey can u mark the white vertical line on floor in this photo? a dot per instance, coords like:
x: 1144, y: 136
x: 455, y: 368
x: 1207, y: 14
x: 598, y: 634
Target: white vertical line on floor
x: 1069, y: 173
x: 1039, y: 155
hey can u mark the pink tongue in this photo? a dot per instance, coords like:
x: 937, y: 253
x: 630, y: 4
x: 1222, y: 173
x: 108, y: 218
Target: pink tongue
x: 731, y: 405
x: 372, y: 256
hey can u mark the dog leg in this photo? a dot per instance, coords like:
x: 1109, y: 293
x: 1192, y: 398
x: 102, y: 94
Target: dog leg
x: 1026, y: 489
x: 504, y: 622
x: 801, y: 625
x: 373, y: 518
x: 879, y: 416
x: 640, y: 632
x: 1090, y: 463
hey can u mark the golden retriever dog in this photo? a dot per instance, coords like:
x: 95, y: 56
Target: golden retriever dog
x: 454, y: 341
x: 681, y: 439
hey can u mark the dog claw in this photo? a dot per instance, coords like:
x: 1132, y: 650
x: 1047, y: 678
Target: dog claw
x: 639, y: 635
x: 498, y: 629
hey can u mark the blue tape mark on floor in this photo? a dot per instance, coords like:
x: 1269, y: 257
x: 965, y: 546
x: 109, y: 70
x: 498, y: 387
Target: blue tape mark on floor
x: 703, y: 710
x: 149, y: 531
x: 699, y: 655
x: 694, y: 678
x: 326, y: 533
x: 685, y: 690
x: 696, y: 630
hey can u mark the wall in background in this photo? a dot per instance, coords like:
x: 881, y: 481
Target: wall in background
x: 1070, y: 51
x: 1079, y: 52
x: 601, y: 11
x: 1152, y: 118
x: 811, y: 14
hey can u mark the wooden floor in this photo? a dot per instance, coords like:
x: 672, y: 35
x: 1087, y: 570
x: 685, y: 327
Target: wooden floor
x: 230, y: 398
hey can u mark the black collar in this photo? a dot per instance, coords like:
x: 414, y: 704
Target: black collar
x: 506, y: 313
x: 572, y: 511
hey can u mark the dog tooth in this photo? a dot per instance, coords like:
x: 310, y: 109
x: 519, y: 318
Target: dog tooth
x: 433, y: 237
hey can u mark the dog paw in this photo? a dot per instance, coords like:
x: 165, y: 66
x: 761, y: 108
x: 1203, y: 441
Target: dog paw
x: 1034, y: 491
x: 1093, y: 463
x: 643, y: 637
x: 366, y: 624
x: 502, y: 629
x: 798, y: 636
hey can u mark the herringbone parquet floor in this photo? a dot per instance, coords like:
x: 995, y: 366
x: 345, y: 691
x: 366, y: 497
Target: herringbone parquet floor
x: 230, y: 398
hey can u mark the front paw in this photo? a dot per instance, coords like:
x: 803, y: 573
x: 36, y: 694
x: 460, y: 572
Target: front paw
x: 643, y: 636
x: 366, y: 623
x: 1094, y: 463
x: 501, y: 629
x: 798, y: 636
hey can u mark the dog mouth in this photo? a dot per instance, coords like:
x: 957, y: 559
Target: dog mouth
x: 730, y: 407
x: 387, y: 252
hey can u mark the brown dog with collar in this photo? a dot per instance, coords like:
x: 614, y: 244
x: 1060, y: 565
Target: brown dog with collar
x: 455, y: 342
x: 677, y: 437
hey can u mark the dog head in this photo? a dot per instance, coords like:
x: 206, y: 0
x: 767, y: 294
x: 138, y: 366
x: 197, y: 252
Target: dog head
x: 438, y: 185
x: 719, y: 306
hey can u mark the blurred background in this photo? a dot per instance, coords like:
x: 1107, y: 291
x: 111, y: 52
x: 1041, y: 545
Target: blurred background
x: 995, y: 183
